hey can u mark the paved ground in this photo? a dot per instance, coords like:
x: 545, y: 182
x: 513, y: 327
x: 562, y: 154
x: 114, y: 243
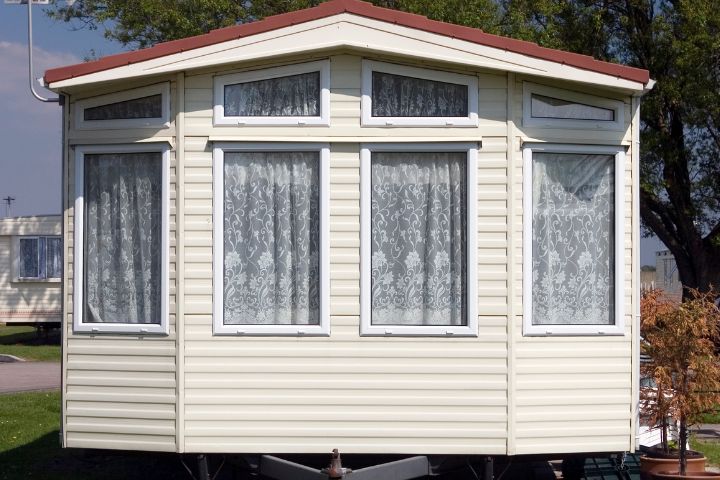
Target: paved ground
x: 29, y: 376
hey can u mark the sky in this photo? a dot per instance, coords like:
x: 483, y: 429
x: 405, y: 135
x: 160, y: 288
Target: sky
x: 30, y: 132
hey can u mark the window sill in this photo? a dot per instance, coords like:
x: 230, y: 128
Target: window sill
x: 36, y: 280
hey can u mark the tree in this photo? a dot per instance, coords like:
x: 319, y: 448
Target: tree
x: 678, y: 41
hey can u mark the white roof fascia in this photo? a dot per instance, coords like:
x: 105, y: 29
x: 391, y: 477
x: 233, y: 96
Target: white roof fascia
x: 349, y: 30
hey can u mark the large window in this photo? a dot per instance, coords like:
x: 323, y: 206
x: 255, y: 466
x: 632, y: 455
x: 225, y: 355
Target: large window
x: 290, y: 95
x: 551, y: 107
x: 271, y: 256
x: 145, y: 107
x: 396, y: 95
x: 573, y: 234
x: 418, y: 239
x: 121, y: 244
x: 38, y: 258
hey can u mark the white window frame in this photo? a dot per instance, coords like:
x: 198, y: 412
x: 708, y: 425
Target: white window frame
x: 79, y: 325
x: 221, y: 81
x: 16, y: 259
x: 366, y: 326
x: 219, y: 327
x: 576, y: 330
x: 162, y: 89
x: 370, y: 66
x: 617, y: 106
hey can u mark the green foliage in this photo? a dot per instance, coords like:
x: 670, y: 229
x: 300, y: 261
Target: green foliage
x: 711, y: 450
x: 26, y: 343
x: 679, y: 339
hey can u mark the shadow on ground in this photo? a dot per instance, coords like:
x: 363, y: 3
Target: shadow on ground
x: 50, y: 337
x: 44, y: 459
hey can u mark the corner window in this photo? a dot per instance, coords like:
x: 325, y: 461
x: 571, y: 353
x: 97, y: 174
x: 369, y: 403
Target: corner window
x: 146, y: 107
x: 418, y: 239
x: 38, y: 258
x: 396, y: 95
x: 289, y: 95
x: 550, y: 107
x: 121, y: 239
x: 572, y: 241
x: 271, y: 254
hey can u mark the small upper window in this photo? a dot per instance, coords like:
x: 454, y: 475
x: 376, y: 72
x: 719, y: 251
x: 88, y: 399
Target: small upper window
x: 289, y: 95
x: 146, y: 107
x: 553, y: 107
x: 137, y: 108
x: 38, y: 258
x: 395, y: 95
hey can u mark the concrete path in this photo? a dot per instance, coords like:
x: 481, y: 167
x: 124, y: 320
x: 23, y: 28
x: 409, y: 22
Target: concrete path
x: 707, y: 432
x: 29, y: 376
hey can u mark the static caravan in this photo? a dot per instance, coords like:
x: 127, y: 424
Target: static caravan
x: 31, y: 270
x: 350, y: 227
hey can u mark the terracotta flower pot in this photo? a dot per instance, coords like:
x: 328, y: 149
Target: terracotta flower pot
x: 690, y: 475
x: 651, y: 465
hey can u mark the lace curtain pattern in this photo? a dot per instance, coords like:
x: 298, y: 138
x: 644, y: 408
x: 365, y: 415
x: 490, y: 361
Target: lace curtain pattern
x: 548, y: 107
x: 29, y: 258
x: 123, y: 237
x: 53, y: 247
x: 400, y: 96
x: 573, y: 239
x: 418, y: 218
x: 271, y: 238
x: 145, y: 107
x: 291, y: 96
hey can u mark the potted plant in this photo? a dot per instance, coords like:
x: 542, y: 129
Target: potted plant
x: 679, y: 339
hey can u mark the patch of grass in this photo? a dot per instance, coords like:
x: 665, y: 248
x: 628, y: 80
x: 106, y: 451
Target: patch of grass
x: 30, y: 448
x: 713, y: 417
x: 24, y: 342
x: 711, y: 450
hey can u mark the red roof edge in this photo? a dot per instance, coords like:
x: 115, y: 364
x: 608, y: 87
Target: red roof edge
x: 356, y: 7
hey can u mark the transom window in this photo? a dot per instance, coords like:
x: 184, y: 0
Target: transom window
x: 418, y: 264
x: 138, y: 108
x: 38, y: 258
x: 121, y: 237
x: 289, y: 95
x: 396, y: 95
x: 271, y: 258
x: 573, y: 237
x: 550, y: 107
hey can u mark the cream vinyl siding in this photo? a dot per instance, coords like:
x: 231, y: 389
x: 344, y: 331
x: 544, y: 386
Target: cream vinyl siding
x: 358, y: 394
x: 119, y: 391
x: 571, y: 394
x: 497, y: 393
x: 27, y: 300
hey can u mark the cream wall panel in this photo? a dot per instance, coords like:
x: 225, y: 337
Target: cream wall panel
x: 571, y: 393
x: 119, y: 391
x: 372, y: 384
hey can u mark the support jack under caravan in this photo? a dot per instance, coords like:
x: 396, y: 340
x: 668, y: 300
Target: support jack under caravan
x: 408, y: 468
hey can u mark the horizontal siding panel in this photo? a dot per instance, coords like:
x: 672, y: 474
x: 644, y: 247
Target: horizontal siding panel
x: 386, y: 349
x: 106, y: 378
x: 152, y: 443
x: 120, y: 394
x: 121, y: 410
x: 397, y: 398
x: 354, y: 429
x: 125, y: 426
x: 136, y: 363
x: 384, y: 445
x: 340, y: 413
